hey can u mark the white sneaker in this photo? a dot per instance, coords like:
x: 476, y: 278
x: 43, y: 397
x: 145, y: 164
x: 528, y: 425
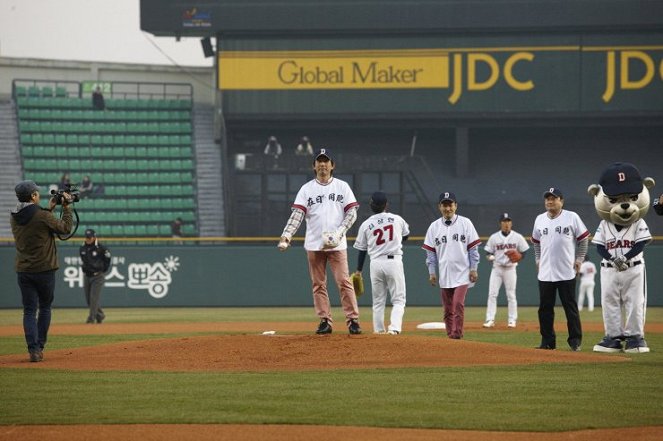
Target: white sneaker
x: 489, y: 324
x: 511, y: 324
x: 392, y: 332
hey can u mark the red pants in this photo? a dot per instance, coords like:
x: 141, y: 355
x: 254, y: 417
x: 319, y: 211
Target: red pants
x: 338, y: 263
x: 453, y: 300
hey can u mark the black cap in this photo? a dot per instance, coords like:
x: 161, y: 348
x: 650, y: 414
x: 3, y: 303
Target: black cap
x: 324, y: 152
x: 505, y: 217
x: 89, y: 233
x: 378, y: 198
x: 447, y: 196
x: 621, y: 178
x: 552, y: 191
x: 24, y: 190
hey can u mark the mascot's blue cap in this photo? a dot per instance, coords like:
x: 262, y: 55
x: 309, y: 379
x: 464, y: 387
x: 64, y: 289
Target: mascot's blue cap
x: 621, y: 178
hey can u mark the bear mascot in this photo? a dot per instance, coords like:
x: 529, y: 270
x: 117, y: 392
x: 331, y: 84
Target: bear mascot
x: 621, y: 200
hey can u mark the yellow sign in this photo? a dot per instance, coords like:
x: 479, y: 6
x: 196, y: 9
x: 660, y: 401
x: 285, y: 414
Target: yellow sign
x: 388, y: 69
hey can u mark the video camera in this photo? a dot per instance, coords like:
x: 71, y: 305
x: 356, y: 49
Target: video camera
x: 58, y: 195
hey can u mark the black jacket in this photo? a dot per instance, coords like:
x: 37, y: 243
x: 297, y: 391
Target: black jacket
x: 96, y: 258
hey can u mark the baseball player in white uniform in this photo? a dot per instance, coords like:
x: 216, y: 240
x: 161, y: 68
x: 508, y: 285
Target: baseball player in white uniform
x: 382, y: 236
x: 452, y: 250
x: 504, y: 270
x: 587, y: 283
x: 330, y: 208
x: 560, y: 241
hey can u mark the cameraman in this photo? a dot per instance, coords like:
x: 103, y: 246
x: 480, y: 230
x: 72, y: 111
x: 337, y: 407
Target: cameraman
x: 96, y: 261
x: 33, y: 228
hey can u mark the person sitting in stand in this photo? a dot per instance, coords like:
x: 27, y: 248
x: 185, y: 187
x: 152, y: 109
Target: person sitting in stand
x: 86, y: 189
x: 65, y: 181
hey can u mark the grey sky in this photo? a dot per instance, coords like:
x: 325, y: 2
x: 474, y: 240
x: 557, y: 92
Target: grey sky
x: 88, y: 30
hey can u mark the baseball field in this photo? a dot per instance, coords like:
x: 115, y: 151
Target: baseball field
x: 210, y: 373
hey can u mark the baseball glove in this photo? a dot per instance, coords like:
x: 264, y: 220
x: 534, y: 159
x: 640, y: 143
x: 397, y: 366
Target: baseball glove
x: 330, y: 239
x: 358, y: 284
x: 513, y: 255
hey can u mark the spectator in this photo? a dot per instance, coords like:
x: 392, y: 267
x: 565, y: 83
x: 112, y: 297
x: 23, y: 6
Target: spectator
x: 273, y: 149
x: 37, y: 260
x: 176, y: 230
x: 86, y: 188
x: 65, y: 181
x: 304, y: 148
x: 98, y: 102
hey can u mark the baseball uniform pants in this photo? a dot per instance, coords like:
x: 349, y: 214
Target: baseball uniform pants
x: 507, y: 275
x: 92, y: 286
x: 628, y: 290
x: 338, y: 263
x: 387, y: 277
x: 586, y: 289
x: 547, y: 297
x: 453, y: 300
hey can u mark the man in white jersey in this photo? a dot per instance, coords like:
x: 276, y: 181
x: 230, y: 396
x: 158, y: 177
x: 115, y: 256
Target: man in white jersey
x: 452, y: 249
x: 329, y: 206
x: 504, y: 270
x: 587, y: 283
x: 560, y: 241
x: 382, y: 236
x: 623, y: 275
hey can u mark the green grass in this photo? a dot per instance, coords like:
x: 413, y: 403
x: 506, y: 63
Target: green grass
x: 546, y: 397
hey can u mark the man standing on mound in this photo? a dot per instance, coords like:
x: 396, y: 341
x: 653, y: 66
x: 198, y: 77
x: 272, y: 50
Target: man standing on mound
x: 330, y: 209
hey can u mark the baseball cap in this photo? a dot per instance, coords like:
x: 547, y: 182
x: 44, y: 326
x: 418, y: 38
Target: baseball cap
x: 324, y: 152
x: 504, y: 217
x: 621, y: 178
x: 378, y: 198
x: 554, y: 192
x: 24, y: 190
x: 90, y: 233
x: 447, y: 196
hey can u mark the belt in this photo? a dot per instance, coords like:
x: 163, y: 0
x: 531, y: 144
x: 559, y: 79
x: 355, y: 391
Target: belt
x: 629, y: 264
x: 389, y: 256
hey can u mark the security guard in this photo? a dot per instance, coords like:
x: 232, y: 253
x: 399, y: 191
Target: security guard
x: 96, y: 262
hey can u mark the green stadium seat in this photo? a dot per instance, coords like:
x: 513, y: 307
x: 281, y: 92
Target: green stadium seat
x: 47, y: 91
x: 84, y: 139
x: 152, y: 230
x: 20, y: 91
x: 189, y: 230
x: 34, y: 91
x: 60, y: 139
x: 60, y: 92
x: 26, y: 138
x: 164, y: 230
x: 141, y: 230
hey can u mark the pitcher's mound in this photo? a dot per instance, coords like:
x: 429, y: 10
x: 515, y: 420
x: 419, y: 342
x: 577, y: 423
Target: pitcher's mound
x: 296, y: 352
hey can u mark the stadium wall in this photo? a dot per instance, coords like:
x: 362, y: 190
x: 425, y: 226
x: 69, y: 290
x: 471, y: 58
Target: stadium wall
x: 234, y: 275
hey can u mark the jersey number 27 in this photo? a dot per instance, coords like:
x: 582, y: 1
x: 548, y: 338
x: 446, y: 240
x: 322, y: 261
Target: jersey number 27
x: 380, y: 233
